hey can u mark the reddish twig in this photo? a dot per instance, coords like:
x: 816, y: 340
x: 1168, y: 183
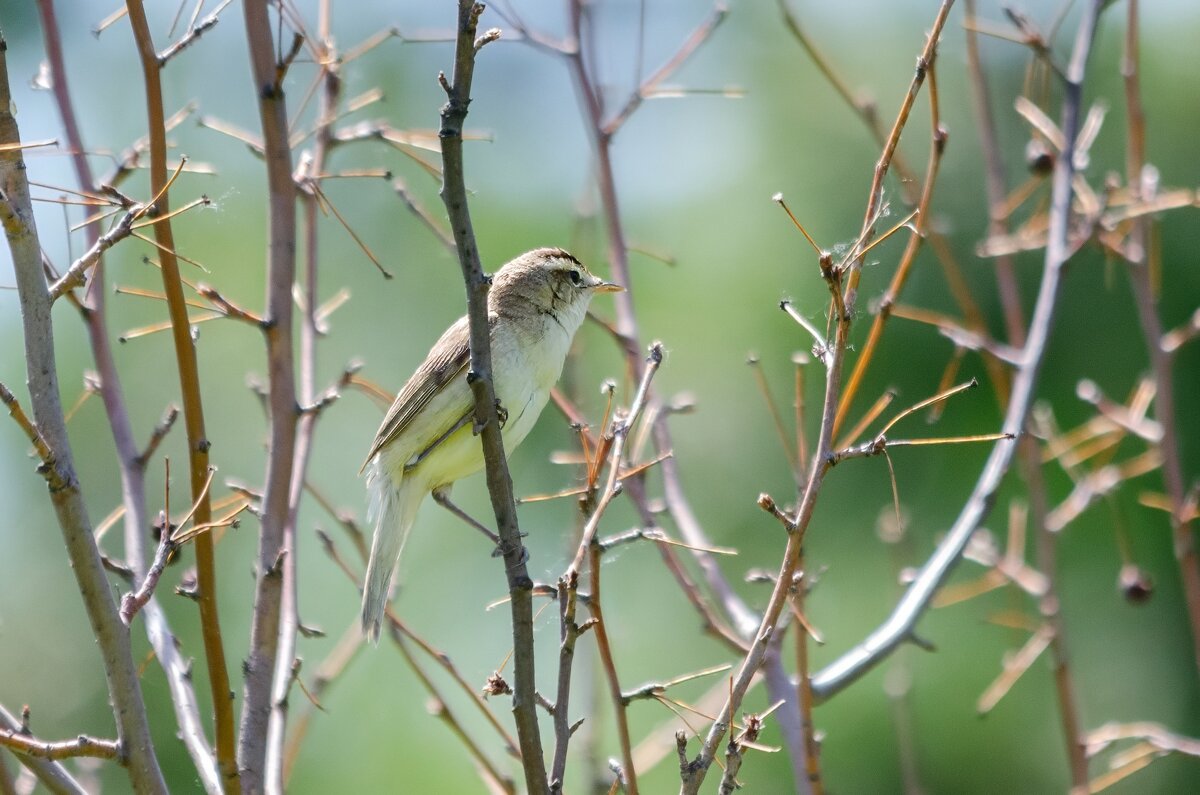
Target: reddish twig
x: 193, y: 410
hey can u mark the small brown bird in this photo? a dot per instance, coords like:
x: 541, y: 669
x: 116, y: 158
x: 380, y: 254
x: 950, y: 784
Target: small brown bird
x: 536, y: 304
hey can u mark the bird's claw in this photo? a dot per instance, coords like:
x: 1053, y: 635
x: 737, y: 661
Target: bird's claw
x: 502, y: 549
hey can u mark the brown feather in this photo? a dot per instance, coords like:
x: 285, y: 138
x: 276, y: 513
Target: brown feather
x: 452, y: 359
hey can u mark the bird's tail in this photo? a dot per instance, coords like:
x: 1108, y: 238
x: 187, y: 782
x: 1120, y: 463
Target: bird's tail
x: 393, y: 507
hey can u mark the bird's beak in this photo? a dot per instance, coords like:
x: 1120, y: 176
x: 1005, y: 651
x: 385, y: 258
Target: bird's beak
x: 608, y: 287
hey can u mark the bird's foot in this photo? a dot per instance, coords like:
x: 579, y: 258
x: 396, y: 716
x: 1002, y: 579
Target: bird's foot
x: 503, y: 549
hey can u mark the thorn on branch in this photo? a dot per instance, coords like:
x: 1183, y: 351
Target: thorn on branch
x: 921, y: 642
x: 190, y: 37
x: 26, y: 425
x: 158, y: 434
x: 492, y: 34
x: 767, y: 503
x: 281, y: 69
x: 276, y: 568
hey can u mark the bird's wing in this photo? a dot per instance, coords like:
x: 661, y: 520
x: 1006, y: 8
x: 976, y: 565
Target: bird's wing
x: 453, y: 356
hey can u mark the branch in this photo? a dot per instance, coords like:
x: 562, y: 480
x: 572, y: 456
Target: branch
x: 685, y: 51
x: 31, y: 432
x: 193, y: 409
x: 76, y: 275
x: 194, y: 32
x: 52, y: 775
x: 132, y: 464
x: 273, y: 547
x: 1146, y: 302
x: 454, y: 195
x: 841, y: 305
x: 83, y: 745
x: 310, y: 331
x: 900, y: 624
x: 124, y: 688
x: 620, y: 434
x: 925, y: 62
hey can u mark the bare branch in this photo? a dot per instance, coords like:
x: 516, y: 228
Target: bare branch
x: 185, y: 354
x: 50, y: 773
x: 899, y: 626
x: 454, y: 195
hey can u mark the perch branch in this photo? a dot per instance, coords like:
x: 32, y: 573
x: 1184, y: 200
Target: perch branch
x: 520, y: 585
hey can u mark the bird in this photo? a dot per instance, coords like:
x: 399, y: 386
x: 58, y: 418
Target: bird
x: 426, y: 442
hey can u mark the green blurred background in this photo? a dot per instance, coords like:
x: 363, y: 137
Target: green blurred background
x: 695, y: 177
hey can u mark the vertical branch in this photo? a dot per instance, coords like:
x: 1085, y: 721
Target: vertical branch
x: 995, y: 182
x: 281, y: 397
x: 841, y: 309
x: 454, y: 195
x: 306, y: 426
x: 743, y: 617
x: 1047, y: 563
x: 1146, y: 303
x: 693, y: 773
x: 193, y: 409
x: 130, y: 460
x: 627, y: 329
x: 112, y: 636
x: 811, y: 760
x: 609, y: 665
x: 1029, y: 455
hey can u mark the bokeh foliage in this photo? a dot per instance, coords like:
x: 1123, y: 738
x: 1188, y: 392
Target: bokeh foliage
x: 695, y: 175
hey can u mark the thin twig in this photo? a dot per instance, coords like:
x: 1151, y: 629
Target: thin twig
x: 50, y: 773
x: 1146, y: 303
x: 261, y: 670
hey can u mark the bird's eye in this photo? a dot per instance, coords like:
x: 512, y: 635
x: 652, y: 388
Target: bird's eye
x: 576, y: 279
